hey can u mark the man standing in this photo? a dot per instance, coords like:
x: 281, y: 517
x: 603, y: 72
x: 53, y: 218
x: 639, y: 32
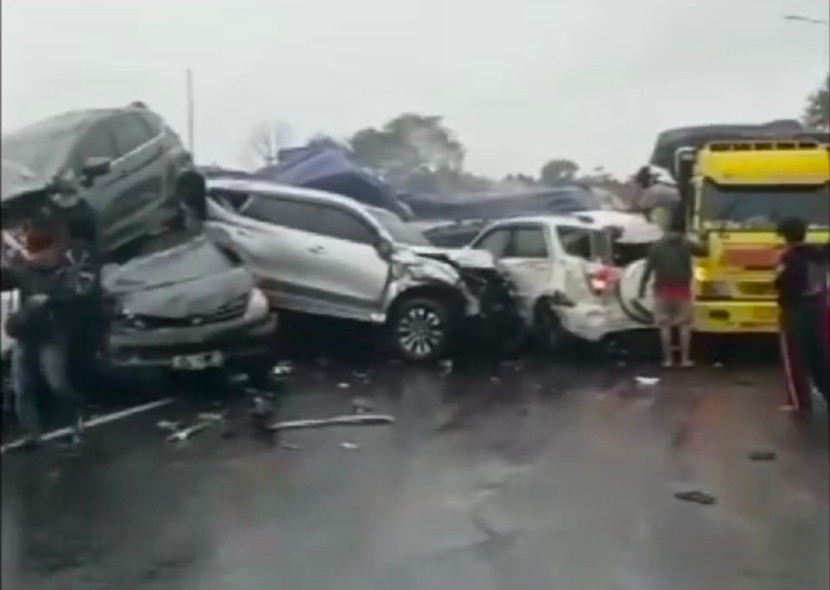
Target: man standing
x: 670, y: 262
x: 57, y: 323
x: 801, y: 281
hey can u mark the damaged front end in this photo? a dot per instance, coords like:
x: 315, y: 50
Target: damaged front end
x: 190, y: 307
x: 498, y: 315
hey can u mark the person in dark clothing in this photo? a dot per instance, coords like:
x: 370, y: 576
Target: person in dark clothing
x: 59, y: 321
x: 801, y: 281
x: 670, y: 262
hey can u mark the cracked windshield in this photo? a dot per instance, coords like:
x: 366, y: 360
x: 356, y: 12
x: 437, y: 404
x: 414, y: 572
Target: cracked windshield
x: 439, y: 296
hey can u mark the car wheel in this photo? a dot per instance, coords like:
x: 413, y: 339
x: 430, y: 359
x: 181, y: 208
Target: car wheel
x: 420, y: 329
x: 550, y: 334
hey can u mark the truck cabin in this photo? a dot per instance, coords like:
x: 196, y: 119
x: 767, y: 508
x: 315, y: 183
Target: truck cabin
x: 752, y: 185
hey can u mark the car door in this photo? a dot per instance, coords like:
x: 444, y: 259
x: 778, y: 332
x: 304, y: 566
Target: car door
x: 98, y: 142
x: 524, y: 251
x: 274, y: 236
x: 353, y: 276
x: 138, y: 205
x: 579, y: 259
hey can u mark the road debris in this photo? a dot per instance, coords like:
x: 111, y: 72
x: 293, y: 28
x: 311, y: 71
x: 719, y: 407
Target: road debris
x: 762, y: 455
x: 647, y: 381
x: 203, y: 423
x: 282, y: 369
x: 343, y: 385
x: 350, y: 446
x: 696, y: 496
x: 100, y: 420
x: 168, y: 425
x: 289, y: 446
x: 446, y: 366
x: 362, y: 405
x: 350, y: 420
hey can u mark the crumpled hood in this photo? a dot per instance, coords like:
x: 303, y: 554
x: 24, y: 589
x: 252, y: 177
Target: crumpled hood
x: 465, y: 258
x: 195, y: 278
x: 17, y: 180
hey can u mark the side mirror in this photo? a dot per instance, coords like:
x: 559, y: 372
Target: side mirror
x: 94, y: 167
x: 385, y: 248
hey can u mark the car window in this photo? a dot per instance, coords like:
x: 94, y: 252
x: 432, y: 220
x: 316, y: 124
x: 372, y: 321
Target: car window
x: 576, y: 241
x: 130, y: 132
x: 528, y: 242
x: 284, y: 212
x: 494, y: 242
x: 151, y: 121
x: 96, y: 143
x: 339, y: 224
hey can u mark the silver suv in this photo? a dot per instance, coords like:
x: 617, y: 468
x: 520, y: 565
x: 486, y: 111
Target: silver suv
x: 323, y: 254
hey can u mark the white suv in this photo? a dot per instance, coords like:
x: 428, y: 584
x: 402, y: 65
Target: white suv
x: 568, y: 274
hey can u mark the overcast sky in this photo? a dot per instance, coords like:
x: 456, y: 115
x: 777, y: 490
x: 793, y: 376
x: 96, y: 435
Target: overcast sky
x: 520, y: 81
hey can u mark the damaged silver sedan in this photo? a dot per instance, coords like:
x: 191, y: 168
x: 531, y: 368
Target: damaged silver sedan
x: 323, y: 254
x: 190, y: 307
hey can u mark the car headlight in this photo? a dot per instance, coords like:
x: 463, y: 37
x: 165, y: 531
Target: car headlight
x: 257, y: 305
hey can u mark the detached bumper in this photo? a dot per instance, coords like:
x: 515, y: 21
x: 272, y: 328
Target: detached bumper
x: 235, y: 340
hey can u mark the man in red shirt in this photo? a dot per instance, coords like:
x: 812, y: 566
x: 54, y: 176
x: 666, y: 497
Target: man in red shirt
x: 670, y: 262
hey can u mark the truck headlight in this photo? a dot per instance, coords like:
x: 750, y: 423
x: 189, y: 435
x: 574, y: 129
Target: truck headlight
x: 257, y: 305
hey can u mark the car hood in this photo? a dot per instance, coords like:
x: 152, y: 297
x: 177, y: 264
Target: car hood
x: 467, y: 258
x: 195, y: 278
x: 18, y: 181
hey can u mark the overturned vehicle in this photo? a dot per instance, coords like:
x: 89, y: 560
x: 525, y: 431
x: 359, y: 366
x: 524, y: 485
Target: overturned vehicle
x: 191, y: 306
x: 322, y: 254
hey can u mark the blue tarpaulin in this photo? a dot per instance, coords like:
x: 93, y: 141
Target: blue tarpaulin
x: 551, y: 201
x: 330, y: 169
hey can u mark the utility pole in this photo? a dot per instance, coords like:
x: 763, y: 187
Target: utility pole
x: 190, y: 109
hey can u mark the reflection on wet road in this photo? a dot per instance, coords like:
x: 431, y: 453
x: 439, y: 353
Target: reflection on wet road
x: 518, y: 476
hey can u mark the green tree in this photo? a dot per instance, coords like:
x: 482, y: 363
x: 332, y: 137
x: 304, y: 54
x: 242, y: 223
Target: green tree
x: 408, y: 143
x: 817, y: 111
x: 558, y: 170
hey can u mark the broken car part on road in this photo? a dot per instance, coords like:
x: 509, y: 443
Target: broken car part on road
x: 348, y: 420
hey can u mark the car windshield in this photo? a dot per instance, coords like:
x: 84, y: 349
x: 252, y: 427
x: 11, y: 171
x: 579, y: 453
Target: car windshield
x: 399, y: 230
x: 43, y: 147
x: 743, y: 207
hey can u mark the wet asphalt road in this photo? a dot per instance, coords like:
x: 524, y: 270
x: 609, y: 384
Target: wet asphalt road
x: 517, y: 476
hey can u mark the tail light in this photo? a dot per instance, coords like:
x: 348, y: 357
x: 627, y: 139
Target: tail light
x: 602, y: 280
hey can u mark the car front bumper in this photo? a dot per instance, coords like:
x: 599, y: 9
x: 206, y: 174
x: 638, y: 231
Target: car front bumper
x: 234, y: 340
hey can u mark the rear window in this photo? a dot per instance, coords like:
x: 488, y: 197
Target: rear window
x: 588, y: 244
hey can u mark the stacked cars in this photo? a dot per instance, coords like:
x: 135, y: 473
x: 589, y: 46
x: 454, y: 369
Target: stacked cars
x: 207, y: 297
x: 188, y: 305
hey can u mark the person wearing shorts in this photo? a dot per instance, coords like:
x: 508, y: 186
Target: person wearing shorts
x: 670, y: 264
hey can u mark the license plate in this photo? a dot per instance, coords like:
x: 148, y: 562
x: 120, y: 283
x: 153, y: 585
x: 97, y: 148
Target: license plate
x: 768, y: 314
x: 197, y: 362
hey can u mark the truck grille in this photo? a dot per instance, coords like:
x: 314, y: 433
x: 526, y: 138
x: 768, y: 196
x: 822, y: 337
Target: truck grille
x: 755, y: 289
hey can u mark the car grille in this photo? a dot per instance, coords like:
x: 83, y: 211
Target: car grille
x: 230, y: 311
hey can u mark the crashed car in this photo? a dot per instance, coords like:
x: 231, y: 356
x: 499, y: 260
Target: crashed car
x: 125, y: 162
x: 576, y: 275
x: 323, y: 254
x: 190, y: 307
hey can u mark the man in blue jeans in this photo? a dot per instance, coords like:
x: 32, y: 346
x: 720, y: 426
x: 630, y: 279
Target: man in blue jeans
x: 59, y: 317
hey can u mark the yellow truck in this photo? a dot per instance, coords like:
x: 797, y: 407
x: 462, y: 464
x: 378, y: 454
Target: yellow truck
x: 732, y: 195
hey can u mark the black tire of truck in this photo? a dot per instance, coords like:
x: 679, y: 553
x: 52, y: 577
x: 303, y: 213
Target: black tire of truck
x: 420, y: 329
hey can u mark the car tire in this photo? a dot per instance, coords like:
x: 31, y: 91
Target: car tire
x: 420, y: 329
x: 549, y: 332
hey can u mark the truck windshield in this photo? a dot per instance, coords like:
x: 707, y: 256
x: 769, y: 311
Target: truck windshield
x: 762, y: 207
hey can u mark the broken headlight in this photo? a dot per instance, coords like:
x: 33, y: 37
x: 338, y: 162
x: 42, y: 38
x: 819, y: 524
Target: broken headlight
x: 257, y: 305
